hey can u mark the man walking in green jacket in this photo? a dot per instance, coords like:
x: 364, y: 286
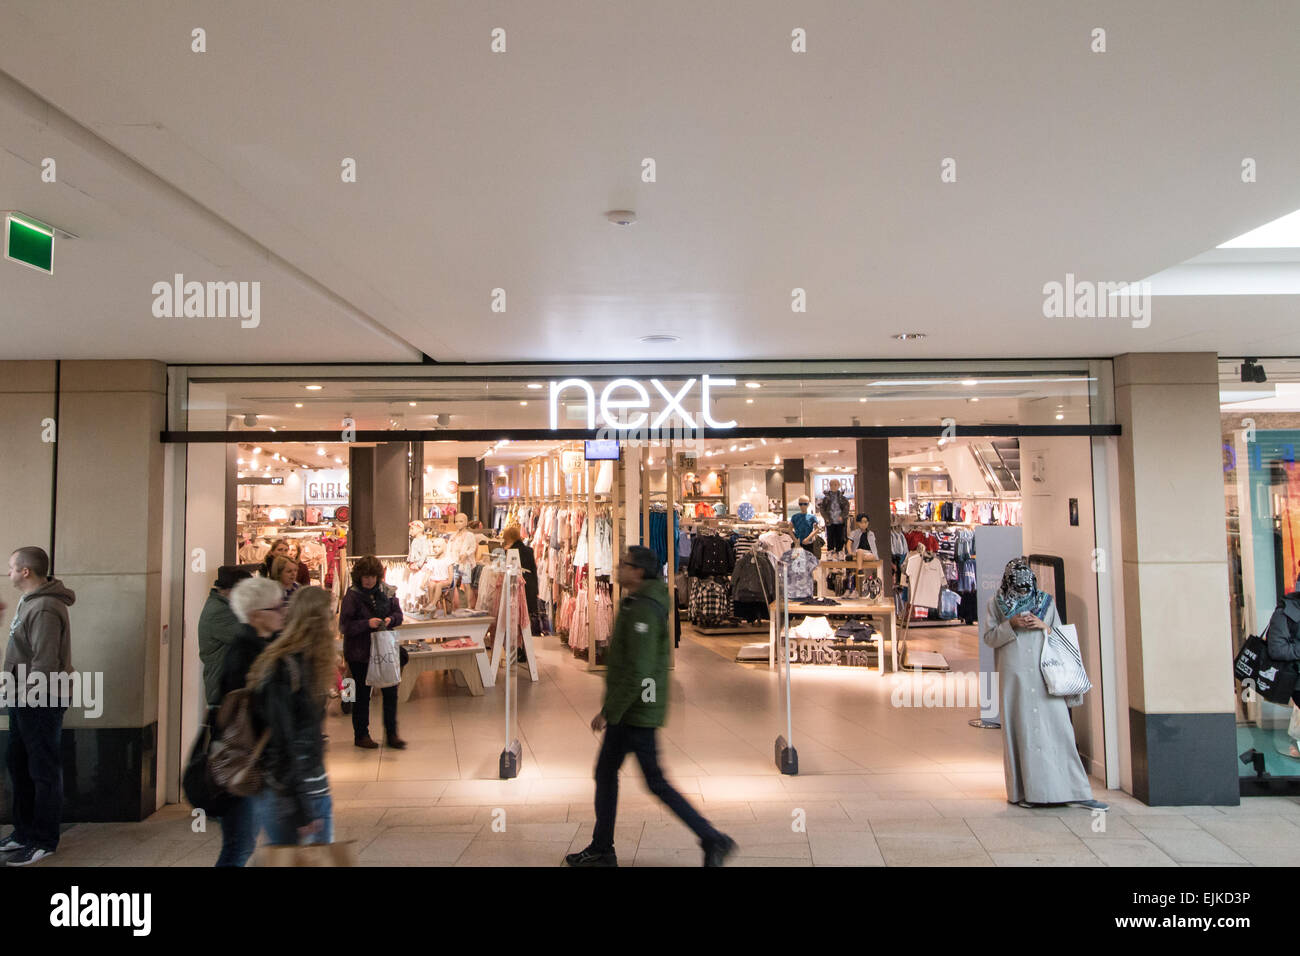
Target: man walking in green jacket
x: 636, y: 700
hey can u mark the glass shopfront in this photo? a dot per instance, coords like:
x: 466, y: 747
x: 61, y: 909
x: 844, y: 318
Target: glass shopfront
x: 1261, y: 435
x: 290, y: 452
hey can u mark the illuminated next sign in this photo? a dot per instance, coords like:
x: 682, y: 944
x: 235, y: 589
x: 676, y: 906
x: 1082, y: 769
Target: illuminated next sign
x: 610, y: 405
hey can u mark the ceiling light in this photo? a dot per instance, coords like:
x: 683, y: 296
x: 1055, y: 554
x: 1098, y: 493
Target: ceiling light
x: 909, y: 336
x: 313, y: 388
x: 534, y: 385
x: 1283, y: 233
x: 972, y: 399
x: 412, y: 404
x: 320, y: 451
x: 297, y: 404
x: 968, y: 382
x: 763, y: 440
x: 523, y: 403
x: 239, y: 461
x: 916, y: 468
x: 1059, y: 416
x: 753, y: 385
x: 733, y: 448
x: 749, y: 401
x: 776, y: 459
x: 935, y: 468
x: 338, y: 461
x: 272, y: 428
x: 659, y: 338
x: 862, y: 399
x: 428, y: 469
x: 621, y: 217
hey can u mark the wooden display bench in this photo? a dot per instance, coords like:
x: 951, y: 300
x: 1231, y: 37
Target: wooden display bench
x: 847, y: 607
x: 469, y: 664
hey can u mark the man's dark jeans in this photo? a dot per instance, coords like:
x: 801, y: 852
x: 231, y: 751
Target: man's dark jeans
x: 361, y: 708
x: 620, y: 740
x: 36, y: 768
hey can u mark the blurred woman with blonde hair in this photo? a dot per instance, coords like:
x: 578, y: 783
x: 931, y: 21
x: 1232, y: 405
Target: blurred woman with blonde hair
x: 290, y: 681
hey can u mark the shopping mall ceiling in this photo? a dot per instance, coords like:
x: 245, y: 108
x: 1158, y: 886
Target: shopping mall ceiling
x: 774, y: 171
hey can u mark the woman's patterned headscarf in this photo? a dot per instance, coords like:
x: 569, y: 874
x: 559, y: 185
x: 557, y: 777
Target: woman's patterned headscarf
x: 1019, y: 591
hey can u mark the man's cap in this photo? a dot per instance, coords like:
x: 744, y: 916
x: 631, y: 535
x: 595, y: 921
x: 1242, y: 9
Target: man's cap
x: 643, y: 558
x: 228, y: 575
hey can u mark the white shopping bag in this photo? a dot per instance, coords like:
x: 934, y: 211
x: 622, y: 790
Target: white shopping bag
x: 1062, y: 664
x: 385, y: 669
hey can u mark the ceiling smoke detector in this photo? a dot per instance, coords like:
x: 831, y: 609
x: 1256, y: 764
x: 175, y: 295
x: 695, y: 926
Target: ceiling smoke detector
x: 621, y: 217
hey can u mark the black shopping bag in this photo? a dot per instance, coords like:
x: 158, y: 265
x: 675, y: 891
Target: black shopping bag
x: 1274, y: 681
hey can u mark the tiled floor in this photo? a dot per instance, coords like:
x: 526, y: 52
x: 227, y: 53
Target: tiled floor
x: 879, y: 785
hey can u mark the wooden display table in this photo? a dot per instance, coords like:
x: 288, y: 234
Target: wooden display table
x: 819, y: 575
x: 847, y: 607
x: 470, y: 663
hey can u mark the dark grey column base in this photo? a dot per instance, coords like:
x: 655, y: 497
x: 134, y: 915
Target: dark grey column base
x: 109, y: 775
x: 1184, y: 760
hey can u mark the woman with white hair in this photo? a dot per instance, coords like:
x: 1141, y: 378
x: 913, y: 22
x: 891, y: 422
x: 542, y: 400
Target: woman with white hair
x: 258, y: 605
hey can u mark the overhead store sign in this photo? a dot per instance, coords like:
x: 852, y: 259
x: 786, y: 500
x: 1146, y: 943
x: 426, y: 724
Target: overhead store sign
x: 627, y: 394
x: 30, y: 242
x: 328, y: 486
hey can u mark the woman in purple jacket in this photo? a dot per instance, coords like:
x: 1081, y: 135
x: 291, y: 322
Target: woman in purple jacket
x: 368, y: 608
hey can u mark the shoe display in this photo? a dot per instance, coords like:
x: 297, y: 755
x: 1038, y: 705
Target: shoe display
x: 27, y: 854
x: 367, y: 744
x: 592, y: 857
x: 715, y: 854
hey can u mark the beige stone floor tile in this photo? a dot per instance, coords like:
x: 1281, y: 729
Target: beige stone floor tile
x: 1130, y: 853
x: 829, y: 784
x: 1145, y: 823
x: 1112, y: 827
x: 154, y: 852
x: 976, y: 807
x: 1007, y: 836
x: 527, y: 813
x: 934, y: 828
x: 1192, y: 846
x: 1047, y: 856
x: 627, y: 838
x: 930, y: 851
x: 1254, y: 831
x: 520, y: 832
x: 869, y: 811
x: 485, y: 852
x: 627, y: 812
x: 815, y: 812
x: 1269, y: 855
x: 398, y: 790
x: 437, y: 816
x: 836, y: 847
x: 669, y: 856
x: 419, y: 846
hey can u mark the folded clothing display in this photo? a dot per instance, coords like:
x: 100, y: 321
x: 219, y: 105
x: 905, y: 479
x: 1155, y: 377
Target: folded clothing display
x: 858, y: 631
x: 813, y: 629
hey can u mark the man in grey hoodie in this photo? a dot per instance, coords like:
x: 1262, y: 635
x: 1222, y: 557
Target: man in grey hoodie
x: 40, y: 649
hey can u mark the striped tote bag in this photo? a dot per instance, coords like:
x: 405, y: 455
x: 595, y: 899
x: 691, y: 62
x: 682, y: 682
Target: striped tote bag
x: 1062, y: 663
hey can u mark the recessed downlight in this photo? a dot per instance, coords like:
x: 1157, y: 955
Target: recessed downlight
x: 534, y: 384
x: 753, y: 385
x: 313, y: 388
x: 659, y: 338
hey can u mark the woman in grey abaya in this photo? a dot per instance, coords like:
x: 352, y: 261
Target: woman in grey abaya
x: 1039, y: 754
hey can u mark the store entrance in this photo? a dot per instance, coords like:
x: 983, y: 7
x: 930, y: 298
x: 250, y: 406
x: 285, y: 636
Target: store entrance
x: 888, y: 656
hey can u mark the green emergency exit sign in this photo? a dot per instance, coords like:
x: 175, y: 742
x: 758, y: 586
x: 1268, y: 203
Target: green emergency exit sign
x: 29, y: 241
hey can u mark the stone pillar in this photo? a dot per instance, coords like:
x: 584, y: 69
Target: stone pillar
x: 1178, y: 646
x: 107, y: 500
x: 872, y: 497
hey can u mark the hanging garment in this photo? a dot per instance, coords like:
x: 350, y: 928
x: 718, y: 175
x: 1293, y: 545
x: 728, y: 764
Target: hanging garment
x: 754, y: 579
x: 925, y: 579
x: 800, y: 564
x: 711, y: 555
